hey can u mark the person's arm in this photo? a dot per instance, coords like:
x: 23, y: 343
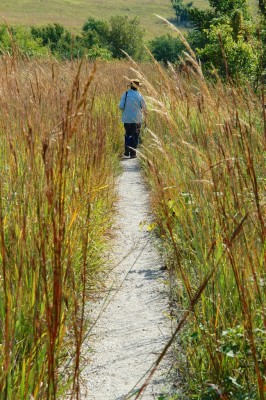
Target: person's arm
x: 122, y: 102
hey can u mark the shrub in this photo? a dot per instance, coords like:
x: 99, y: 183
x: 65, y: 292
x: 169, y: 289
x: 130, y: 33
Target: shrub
x: 126, y: 35
x: 95, y: 33
x: 21, y: 39
x: 96, y: 52
x: 166, y: 48
x: 235, y: 58
x: 59, y: 40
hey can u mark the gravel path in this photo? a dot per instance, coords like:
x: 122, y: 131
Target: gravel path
x: 133, y: 328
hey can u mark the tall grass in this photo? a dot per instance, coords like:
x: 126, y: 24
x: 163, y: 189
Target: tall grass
x: 204, y: 157
x: 59, y: 139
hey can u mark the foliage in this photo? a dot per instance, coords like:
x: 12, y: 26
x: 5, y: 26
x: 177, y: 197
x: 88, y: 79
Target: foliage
x: 59, y: 40
x: 112, y: 39
x: 50, y: 35
x: 228, y: 52
x: 98, y: 39
x: 262, y: 7
x: 187, y: 13
x: 182, y: 11
x: 100, y: 53
x: 202, y: 19
x: 95, y: 33
x: 20, y: 39
x: 166, y: 48
x: 126, y: 35
x: 224, y: 37
x: 228, y: 6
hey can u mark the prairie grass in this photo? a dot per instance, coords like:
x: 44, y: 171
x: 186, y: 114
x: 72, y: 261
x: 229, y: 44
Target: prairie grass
x: 204, y: 156
x: 60, y: 135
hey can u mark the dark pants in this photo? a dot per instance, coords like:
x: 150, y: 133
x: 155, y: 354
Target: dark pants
x: 131, y: 138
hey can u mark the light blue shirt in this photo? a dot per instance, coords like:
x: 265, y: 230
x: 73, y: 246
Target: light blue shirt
x: 133, y: 105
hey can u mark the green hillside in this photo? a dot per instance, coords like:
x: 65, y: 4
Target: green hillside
x: 73, y: 13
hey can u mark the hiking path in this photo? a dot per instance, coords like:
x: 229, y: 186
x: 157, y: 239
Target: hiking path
x: 133, y: 326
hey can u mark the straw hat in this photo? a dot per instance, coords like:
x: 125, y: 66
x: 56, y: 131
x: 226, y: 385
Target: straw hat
x: 135, y: 83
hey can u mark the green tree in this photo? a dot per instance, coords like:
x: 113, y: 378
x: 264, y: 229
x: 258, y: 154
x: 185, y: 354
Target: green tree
x: 69, y: 47
x: 219, y: 9
x: 202, y: 19
x: 166, y: 48
x: 22, y: 38
x: 95, y: 33
x: 224, y: 37
x: 50, y: 34
x: 59, y: 40
x: 182, y: 10
x: 99, y: 53
x: 227, y: 6
x: 237, y: 59
x: 126, y: 35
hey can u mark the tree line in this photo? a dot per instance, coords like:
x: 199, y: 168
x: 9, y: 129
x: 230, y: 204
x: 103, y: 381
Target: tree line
x: 228, y: 38
x: 97, y: 39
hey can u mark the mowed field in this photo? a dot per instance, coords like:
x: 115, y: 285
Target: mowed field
x: 73, y: 13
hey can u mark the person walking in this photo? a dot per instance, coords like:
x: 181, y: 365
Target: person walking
x: 134, y: 113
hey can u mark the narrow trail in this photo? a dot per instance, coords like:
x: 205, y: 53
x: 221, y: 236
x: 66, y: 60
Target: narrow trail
x: 133, y: 328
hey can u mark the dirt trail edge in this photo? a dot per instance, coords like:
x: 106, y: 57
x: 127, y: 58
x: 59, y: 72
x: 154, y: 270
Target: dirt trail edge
x: 133, y: 327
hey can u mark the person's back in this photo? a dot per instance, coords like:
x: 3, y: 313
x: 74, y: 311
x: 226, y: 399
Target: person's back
x: 132, y: 104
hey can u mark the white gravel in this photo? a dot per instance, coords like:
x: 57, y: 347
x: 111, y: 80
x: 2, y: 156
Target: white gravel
x: 133, y: 328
